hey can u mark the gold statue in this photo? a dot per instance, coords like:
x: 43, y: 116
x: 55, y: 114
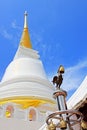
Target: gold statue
x: 63, y: 124
x: 84, y: 125
x: 51, y: 126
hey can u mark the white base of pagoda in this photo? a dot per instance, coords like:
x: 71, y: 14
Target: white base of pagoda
x: 15, y: 124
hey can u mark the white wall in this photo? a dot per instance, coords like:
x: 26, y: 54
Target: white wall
x: 14, y: 124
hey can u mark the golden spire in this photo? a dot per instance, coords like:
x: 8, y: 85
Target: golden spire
x: 25, y: 39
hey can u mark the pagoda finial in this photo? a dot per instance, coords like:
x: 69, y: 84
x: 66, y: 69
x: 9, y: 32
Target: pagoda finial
x: 25, y: 20
x: 25, y: 39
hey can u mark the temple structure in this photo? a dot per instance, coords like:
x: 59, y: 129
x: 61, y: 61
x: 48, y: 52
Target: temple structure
x: 25, y: 91
x: 78, y: 100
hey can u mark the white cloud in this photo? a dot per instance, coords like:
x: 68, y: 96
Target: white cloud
x: 6, y: 34
x: 46, y: 50
x: 38, y: 40
x: 74, y: 75
x: 14, y: 25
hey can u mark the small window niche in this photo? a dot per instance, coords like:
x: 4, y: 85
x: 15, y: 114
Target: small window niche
x: 32, y: 114
x: 9, y: 111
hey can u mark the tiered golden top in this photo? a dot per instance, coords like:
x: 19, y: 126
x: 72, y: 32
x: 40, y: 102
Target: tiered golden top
x: 25, y: 39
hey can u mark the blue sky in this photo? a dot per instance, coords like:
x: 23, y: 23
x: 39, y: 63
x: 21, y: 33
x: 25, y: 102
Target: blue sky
x: 58, y: 30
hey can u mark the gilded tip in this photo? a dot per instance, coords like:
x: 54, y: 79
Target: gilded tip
x: 61, y: 69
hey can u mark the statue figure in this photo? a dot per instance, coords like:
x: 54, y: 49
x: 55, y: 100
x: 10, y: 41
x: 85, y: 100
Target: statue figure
x: 58, y: 79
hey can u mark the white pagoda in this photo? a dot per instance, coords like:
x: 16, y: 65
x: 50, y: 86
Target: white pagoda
x: 26, y: 95
x: 25, y: 92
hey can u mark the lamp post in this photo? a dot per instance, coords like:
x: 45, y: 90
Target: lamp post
x: 63, y: 116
